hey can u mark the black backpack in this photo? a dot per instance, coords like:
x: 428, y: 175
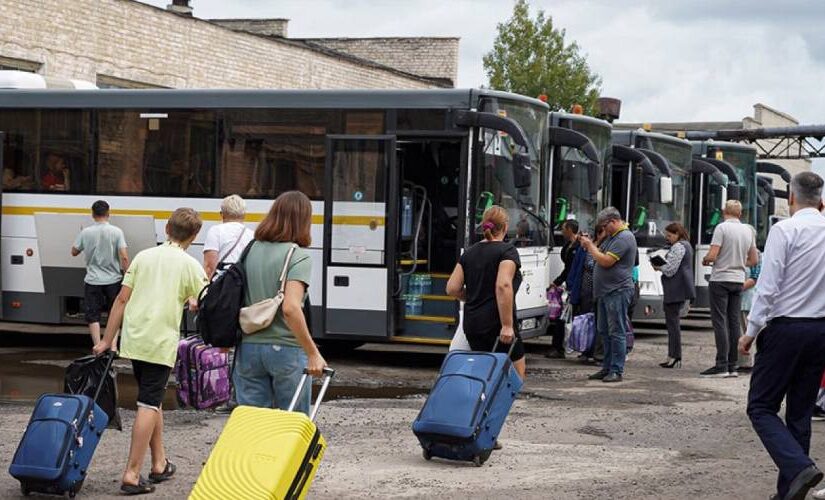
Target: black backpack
x: 219, y: 305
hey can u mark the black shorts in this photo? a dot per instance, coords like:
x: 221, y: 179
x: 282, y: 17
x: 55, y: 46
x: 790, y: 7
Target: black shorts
x: 99, y: 298
x: 485, y: 343
x: 151, y: 381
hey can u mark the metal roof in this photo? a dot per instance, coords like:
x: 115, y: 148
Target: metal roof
x: 252, y: 98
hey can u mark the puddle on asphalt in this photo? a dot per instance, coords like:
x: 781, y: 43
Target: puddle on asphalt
x: 24, y: 376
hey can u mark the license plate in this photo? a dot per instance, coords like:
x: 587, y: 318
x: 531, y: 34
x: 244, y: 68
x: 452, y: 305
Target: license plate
x: 528, y: 324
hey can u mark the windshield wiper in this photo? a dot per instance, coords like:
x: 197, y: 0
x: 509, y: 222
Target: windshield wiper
x: 523, y: 206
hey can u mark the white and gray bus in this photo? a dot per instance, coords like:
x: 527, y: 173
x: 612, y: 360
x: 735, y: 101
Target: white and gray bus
x: 398, y: 180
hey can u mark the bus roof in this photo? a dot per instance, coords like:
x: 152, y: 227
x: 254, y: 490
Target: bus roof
x: 254, y: 98
x: 627, y: 137
x: 556, y: 116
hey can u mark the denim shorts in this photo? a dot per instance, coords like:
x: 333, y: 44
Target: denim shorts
x: 267, y: 375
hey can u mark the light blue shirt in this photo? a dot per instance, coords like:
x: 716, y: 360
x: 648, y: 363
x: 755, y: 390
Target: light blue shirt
x: 100, y: 243
x: 791, y: 283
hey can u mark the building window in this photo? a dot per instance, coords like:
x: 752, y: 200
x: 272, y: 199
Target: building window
x: 14, y: 64
x: 112, y: 82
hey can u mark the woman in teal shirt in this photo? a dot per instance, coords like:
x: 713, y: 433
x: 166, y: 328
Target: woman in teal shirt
x: 270, y: 362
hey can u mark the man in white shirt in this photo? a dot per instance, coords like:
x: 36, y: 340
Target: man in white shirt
x: 225, y: 242
x: 788, y: 320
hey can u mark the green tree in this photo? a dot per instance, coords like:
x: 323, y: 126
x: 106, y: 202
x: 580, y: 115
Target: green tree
x: 530, y: 57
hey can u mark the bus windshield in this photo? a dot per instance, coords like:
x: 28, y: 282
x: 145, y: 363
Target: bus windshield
x: 713, y: 197
x: 658, y: 214
x: 744, y: 162
x: 495, y: 183
x: 577, y: 192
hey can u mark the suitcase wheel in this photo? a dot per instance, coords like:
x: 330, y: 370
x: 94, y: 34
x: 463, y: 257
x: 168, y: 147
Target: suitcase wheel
x: 24, y: 489
x: 478, y: 461
x: 427, y: 455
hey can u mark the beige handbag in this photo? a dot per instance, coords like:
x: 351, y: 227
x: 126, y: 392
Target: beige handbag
x: 260, y: 315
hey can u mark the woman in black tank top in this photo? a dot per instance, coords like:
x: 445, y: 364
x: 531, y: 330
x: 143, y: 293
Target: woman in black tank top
x: 487, y: 278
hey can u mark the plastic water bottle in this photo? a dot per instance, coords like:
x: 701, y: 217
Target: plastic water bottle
x: 426, y: 284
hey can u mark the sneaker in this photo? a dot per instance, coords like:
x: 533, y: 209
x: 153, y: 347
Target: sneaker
x: 819, y: 494
x: 612, y: 378
x: 599, y: 375
x: 819, y: 416
x: 732, y: 374
x: 714, y: 372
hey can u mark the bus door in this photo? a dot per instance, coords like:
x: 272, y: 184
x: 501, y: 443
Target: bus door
x: 358, y: 217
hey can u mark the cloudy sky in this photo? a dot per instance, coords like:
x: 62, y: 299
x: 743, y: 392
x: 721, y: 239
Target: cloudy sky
x: 673, y: 60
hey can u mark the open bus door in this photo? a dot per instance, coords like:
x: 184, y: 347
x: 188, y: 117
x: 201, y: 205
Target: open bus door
x: 358, y: 221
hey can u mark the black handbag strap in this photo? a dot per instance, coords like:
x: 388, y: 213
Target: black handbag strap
x: 229, y: 252
x: 110, y: 358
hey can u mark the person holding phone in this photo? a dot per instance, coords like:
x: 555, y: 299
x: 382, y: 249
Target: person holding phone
x: 679, y: 289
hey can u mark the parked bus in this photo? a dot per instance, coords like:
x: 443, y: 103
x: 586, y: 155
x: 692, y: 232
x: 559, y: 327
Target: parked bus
x: 576, y: 183
x: 737, y: 162
x: 650, y: 184
x: 398, y: 182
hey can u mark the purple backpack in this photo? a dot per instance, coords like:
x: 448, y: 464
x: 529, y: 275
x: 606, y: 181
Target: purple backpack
x: 202, y: 373
x: 554, y: 303
x: 583, y: 332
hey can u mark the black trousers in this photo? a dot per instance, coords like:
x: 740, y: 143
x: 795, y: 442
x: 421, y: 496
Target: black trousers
x: 674, y: 329
x: 725, y: 309
x: 790, y: 359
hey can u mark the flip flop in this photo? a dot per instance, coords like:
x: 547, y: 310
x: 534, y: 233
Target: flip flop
x: 168, y: 472
x: 143, y: 487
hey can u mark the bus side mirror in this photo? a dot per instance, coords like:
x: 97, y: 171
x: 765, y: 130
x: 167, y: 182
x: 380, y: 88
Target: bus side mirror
x: 562, y: 208
x: 639, y: 218
x: 522, y: 171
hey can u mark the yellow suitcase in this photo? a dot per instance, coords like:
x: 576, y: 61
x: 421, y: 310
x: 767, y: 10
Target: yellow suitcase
x: 265, y: 454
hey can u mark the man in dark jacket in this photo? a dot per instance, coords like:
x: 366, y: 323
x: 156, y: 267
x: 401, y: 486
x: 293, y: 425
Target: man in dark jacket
x: 569, y: 230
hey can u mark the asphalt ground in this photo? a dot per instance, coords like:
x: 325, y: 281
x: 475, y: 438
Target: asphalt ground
x: 660, y: 434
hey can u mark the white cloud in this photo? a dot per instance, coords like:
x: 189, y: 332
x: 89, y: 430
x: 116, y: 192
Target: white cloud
x: 677, y: 61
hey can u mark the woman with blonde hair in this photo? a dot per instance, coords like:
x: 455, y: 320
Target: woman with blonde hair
x: 487, y: 278
x: 270, y: 362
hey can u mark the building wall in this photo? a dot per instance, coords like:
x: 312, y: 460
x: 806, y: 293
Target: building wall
x: 132, y: 41
x: 432, y: 57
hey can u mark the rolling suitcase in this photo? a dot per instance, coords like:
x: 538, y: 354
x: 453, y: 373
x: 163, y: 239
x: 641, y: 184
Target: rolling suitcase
x: 55, y: 452
x: 466, y: 409
x: 202, y: 374
x: 264, y: 453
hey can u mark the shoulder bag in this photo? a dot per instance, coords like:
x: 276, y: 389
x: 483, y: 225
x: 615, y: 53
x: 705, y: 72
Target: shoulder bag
x: 260, y: 315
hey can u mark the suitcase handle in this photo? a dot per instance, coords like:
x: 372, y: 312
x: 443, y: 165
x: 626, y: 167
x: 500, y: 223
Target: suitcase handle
x: 327, y: 377
x: 111, y: 358
x: 509, y: 351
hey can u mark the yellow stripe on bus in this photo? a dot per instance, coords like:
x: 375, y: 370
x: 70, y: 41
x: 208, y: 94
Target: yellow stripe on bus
x: 347, y: 220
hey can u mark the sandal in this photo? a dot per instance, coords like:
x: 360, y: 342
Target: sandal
x: 168, y: 472
x: 143, y: 487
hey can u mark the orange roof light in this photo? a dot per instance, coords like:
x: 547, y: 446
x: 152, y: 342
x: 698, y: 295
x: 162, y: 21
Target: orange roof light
x: 647, y: 127
x: 543, y: 97
x: 577, y: 109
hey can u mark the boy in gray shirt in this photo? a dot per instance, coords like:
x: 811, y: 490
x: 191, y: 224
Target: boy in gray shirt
x: 732, y: 251
x: 104, y: 247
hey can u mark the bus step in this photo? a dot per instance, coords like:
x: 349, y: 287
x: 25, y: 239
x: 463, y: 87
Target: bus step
x: 438, y: 305
x: 446, y: 320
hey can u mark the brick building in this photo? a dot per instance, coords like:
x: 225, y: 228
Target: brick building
x: 125, y: 43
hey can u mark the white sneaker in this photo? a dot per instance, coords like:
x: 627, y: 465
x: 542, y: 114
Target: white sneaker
x: 819, y: 494
x: 732, y: 375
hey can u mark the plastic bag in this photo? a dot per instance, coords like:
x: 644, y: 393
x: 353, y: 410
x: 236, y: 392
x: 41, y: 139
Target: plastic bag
x: 459, y: 342
x: 583, y: 332
x: 84, y: 375
x: 554, y: 303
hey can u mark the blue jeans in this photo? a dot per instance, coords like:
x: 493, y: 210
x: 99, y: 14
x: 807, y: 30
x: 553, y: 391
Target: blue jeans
x: 611, y: 323
x: 267, y: 375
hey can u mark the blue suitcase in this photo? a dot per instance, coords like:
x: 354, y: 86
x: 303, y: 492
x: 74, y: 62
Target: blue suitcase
x: 466, y: 409
x: 55, y: 452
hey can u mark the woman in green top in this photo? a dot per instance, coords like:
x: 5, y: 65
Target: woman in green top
x: 270, y: 362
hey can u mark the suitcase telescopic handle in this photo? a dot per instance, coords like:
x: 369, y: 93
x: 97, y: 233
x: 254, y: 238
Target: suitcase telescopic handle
x: 327, y: 377
x: 509, y: 351
x: 110, y: 358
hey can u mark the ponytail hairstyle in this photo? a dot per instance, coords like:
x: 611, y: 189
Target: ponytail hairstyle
x: 494, y: 222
